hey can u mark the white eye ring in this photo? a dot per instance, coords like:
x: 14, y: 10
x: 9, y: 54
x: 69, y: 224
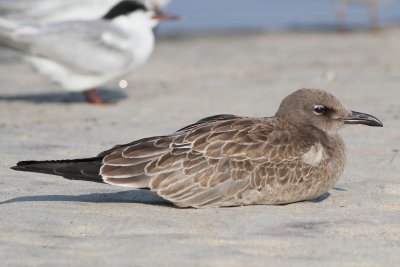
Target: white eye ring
x: 319, y: 110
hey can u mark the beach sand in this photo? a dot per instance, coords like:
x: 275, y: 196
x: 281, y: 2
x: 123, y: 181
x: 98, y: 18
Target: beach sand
x: 49, y: 221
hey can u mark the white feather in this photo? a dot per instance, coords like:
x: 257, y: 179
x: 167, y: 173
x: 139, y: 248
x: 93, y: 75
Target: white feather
x: 314, y: 156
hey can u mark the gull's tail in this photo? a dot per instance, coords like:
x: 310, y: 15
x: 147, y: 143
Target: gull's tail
x: 76, y: 169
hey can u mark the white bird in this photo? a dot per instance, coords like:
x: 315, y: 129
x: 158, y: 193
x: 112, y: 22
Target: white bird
x: 59, y: 10
x: 82, y: 55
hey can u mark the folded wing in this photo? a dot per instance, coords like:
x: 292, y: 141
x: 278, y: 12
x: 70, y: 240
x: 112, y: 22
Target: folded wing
x: 219, y: 161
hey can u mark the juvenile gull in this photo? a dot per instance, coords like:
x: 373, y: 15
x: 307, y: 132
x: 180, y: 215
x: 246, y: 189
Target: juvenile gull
x: 227, y: 160
x: 81, y: 55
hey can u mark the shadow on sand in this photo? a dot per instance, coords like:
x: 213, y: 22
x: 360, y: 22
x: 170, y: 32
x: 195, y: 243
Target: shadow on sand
x: 109, y: 95
x: 320, y: 198
x: 132, y: 196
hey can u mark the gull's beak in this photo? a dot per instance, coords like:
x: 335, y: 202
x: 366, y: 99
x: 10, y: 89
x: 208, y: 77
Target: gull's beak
x: 362, y: 118
x: 159, y: 15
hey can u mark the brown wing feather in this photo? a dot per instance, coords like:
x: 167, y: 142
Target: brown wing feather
x: 219, y: 161
x: 208, y: 120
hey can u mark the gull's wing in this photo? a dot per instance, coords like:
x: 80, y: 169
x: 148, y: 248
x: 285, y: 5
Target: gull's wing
x: 86, y: 47
x: 211, y: 119
x: 215, y: 163
x: 185, y: 129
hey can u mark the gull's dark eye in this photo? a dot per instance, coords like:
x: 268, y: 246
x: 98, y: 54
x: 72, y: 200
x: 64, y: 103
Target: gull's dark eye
x: 319, y: 110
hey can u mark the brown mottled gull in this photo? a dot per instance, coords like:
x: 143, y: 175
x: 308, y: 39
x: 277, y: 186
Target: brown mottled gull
x: 228, y: 160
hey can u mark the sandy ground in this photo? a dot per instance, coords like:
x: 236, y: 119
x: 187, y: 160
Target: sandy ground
x: 49, y: 221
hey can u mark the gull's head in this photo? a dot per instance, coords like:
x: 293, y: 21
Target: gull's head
x: 320, y: 109
x: 137, y: 13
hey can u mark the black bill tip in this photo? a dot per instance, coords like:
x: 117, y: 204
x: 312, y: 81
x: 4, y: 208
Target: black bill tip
x: 362, y: 118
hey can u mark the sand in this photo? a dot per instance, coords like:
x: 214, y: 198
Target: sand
x: 48, y: 221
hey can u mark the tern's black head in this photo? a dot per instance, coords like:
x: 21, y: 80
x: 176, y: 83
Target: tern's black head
x: 124, y: 8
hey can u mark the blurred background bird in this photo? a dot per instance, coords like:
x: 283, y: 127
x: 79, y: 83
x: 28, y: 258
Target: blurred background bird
x: 373, y: 11
x: 81, y: 55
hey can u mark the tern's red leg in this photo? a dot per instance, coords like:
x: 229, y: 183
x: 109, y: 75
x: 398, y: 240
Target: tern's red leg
x: 92, y: 97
